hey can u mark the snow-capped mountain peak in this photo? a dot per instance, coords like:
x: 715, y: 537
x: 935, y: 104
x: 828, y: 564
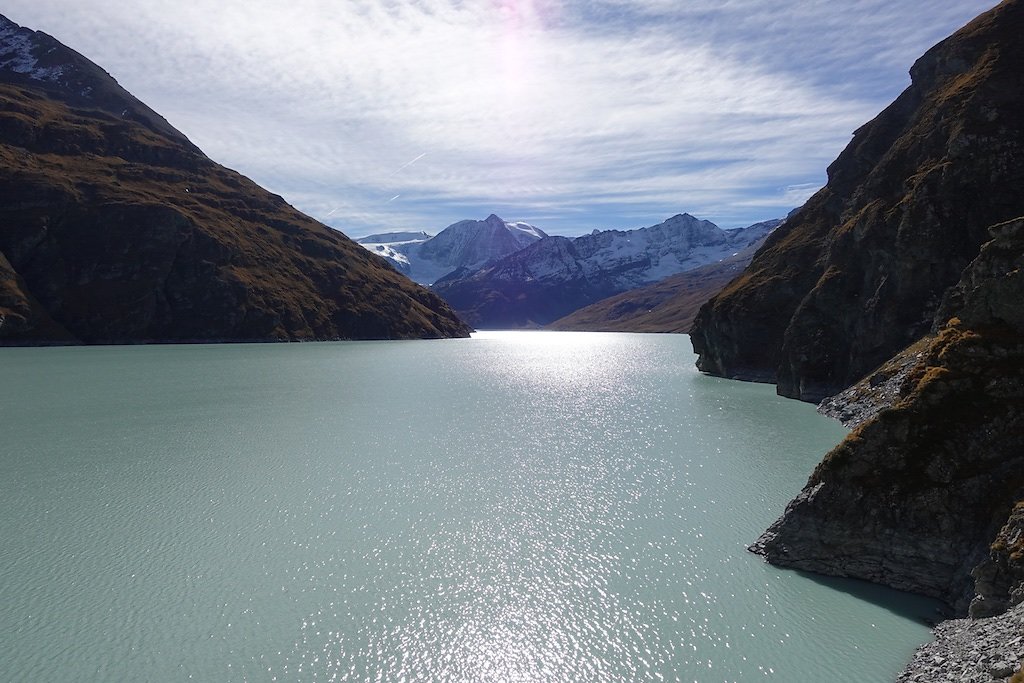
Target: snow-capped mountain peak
x: 554, y: 276
x: 473, y: 243
x: 466, y: 245
x: 397, y: 237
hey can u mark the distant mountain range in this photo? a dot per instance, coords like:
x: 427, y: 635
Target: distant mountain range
x: 557, y: 275
x: 466, y: 245
x: 114, y: 228
x: 668, y: 305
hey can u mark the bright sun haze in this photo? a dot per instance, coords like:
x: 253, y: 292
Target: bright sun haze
x: 568, y: 115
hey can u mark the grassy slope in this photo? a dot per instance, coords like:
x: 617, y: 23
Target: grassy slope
x: 668, y: 305
x: 115, y: 231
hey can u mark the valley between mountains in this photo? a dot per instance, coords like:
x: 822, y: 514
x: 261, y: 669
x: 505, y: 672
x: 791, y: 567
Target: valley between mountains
x: 500, y: 275
x: 894, y: 298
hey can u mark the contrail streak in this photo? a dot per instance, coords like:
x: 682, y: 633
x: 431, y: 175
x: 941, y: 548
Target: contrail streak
x: 408, y: 164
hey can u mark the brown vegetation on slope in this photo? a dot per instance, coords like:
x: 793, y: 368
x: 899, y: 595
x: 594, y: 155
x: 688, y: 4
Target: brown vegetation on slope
x: 669, y: 305
x: 115, y: 229
x: 915, y: 496
x: 858, y: 272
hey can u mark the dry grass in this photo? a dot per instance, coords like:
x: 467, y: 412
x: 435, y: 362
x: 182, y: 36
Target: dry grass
x: 666, y: 306
x: 95, y: 185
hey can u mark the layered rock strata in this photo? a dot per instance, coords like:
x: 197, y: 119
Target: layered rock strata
x: 924, y: 496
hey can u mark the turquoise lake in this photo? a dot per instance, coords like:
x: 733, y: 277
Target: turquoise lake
x: 520, y: 506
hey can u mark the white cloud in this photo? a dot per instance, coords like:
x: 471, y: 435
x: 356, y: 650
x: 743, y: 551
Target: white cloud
x: 585, y: 113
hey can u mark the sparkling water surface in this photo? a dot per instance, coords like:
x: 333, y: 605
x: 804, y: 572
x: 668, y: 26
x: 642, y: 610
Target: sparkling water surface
x: 520, y: 506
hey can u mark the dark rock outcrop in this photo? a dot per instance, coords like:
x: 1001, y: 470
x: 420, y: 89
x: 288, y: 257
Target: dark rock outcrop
x: 999, y: 579
x: 858, y: 273
x: 114, y: 228
x: 925, y: 496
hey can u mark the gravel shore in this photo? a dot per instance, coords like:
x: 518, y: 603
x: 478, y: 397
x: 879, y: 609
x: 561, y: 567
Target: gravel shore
x: 971, y: 651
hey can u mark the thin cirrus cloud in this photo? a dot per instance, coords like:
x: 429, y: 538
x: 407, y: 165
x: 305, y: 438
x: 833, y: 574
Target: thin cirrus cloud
x: 411, y: 114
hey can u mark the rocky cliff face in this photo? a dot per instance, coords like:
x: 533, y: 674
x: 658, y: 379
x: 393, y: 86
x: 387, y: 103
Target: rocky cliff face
x: 858, y: 273
x: 999, y: 579
x: 892, y: 274
x: 926, y: 495
x: 114, y: 229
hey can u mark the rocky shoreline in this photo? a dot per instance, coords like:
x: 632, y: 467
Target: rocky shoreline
x: 972, y: 651
x: 989, y: 649
x: 969, y: 650
x: 898, y: 289
x: 882, y: 389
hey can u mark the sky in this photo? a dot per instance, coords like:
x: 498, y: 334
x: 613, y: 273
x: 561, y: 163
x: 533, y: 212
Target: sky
x: 379, y: 115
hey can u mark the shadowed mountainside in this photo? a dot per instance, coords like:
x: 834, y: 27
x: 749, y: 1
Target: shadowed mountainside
x: 669, y: 305
x: 906, y: 270
x: 116, y: 229
x: 915, y: 497
x: 857, y: 273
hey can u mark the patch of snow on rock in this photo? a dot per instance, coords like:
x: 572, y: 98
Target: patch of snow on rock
x: 16, y: 46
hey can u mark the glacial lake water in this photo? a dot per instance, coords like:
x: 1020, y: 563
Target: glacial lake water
x: 527, y: 506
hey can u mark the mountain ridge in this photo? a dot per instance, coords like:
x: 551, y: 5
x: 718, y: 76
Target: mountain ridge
x: 119, y: 230
x: 558, y: 275
x: 666, y: 306
x: 954, y: 133
x: 463, y: 245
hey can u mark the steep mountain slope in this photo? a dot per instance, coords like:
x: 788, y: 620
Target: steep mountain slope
x: 115, y: 228
x: 466, y: 245
x: 556, y: 276
x: 35, y: 59
x: 669, y: 305
x: 858, y: 272
x: 916, y: 496
x: 926, y: 494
